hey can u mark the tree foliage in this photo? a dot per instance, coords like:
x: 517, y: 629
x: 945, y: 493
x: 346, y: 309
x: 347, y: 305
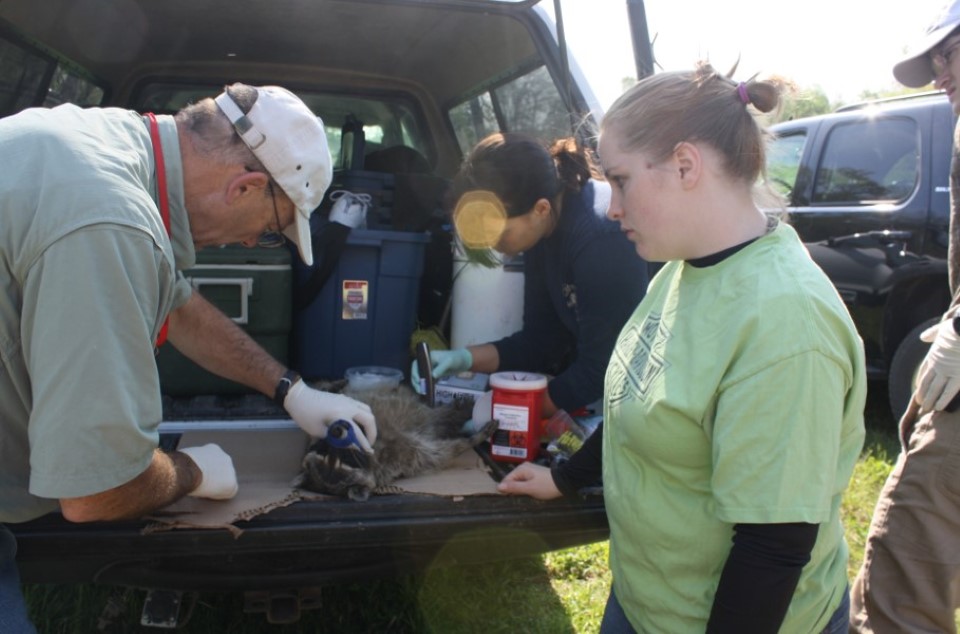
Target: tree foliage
x: 867, y: 95
x: 800, y: 101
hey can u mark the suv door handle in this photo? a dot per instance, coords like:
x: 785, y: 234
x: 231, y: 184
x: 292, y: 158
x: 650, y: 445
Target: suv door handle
x: 879, y: 238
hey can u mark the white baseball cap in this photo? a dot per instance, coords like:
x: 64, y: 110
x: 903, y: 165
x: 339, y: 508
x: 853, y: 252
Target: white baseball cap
x: 289, y: 140
x: 915, y: 71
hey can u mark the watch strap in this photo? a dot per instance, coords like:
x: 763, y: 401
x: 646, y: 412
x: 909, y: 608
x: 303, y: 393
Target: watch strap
x: 283, y: 386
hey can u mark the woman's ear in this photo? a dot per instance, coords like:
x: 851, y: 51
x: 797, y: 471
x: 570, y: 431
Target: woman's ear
x: 541, y: 208
x: 689, y: 162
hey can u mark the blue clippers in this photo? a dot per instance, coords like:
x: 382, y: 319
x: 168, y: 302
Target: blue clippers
x: 341, y: 435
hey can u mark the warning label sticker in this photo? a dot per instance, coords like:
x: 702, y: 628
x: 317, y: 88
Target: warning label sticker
x: 355, y: 298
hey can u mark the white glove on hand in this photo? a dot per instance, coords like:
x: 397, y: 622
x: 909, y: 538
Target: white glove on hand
x: 219, y: 478
x: 314, y: 411
x: 350, y: 209
x: 443, y: 362
x: 940, y: 371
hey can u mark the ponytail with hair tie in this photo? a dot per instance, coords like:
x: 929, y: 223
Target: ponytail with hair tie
x: 742, y: 92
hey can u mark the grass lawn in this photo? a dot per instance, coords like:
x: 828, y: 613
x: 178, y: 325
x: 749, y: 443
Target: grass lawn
x: 560, y: 592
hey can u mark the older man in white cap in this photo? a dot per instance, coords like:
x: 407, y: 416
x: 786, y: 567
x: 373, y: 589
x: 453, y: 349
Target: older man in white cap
x: 910, y: 578
x: 100, y: 208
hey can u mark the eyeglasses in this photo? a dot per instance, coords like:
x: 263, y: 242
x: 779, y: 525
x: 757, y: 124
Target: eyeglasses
x: 272, y: 239
x: 941, y: 58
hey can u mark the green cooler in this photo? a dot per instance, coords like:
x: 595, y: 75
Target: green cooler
x: 251, y: 286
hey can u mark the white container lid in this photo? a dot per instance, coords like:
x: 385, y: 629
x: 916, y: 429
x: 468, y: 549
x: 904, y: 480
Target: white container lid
x: 518, y: 381
x: 373, y: 377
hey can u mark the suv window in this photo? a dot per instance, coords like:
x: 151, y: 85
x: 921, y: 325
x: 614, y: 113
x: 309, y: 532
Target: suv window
x: 68, y: 87
x: 783, y: 161
x: 28, y: 78
x: 869, y: 162
x: 21, y: 73
x: 387, y: 121
x: 530, y: 103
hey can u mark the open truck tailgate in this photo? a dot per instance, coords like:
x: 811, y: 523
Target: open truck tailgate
x: 308, y: 543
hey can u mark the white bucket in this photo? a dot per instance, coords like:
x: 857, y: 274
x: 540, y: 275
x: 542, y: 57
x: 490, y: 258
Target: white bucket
x: 487, y: 302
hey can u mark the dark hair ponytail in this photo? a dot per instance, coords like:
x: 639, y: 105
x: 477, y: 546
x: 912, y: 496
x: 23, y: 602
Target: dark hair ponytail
x: 520, y: 170
x: 575, y: 163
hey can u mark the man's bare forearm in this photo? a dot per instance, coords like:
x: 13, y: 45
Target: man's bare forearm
x: 168, y: 478
x: 210, y: 339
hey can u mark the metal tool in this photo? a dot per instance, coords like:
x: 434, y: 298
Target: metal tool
x: 425, y: 368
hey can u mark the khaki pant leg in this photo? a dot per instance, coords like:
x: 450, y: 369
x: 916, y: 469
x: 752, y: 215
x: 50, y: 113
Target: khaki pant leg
x: 910, y: 578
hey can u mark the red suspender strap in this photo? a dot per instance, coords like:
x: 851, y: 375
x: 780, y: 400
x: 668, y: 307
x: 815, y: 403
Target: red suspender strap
x: 162, y: 196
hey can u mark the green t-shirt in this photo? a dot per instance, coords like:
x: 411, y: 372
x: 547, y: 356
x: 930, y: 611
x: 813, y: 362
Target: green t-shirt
x: 735, y: 394
x: 87, y: 276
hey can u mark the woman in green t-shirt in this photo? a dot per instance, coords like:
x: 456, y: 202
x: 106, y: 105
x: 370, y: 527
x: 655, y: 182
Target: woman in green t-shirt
x: 733, y: 401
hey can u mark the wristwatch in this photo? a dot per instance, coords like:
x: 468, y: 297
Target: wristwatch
x: 283, y: 386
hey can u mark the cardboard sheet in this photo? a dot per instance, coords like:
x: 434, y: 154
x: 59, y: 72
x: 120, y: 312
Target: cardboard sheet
x: 254, y: 498
x: 466, y: 475
x: 267, y: 462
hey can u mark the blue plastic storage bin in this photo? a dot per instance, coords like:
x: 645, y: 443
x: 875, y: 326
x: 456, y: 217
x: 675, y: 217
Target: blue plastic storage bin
x: 366, y: 311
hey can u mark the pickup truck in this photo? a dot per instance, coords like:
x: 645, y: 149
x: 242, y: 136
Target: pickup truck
x: 429, y: 76
x: 868, y: 190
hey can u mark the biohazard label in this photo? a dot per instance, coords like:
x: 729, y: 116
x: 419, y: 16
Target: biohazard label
x: 355, y: 297
x: 513, y: 426
x: 511, y: 444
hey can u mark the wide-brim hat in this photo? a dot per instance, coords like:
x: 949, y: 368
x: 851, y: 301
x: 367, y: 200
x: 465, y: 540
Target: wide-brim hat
x: 916, y: 71
x: 289, y: 139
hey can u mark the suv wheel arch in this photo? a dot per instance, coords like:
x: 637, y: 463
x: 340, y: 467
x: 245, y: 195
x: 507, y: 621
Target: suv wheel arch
x: 905, y: 366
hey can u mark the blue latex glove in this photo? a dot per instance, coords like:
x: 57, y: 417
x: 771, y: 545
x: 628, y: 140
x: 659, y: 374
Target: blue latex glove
x: 443, y: 362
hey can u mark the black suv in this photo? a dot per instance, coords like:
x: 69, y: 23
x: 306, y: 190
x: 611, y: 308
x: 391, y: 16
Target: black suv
x: 868, y: 190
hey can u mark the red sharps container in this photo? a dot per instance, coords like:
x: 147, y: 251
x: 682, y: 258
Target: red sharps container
x: 517, y: 402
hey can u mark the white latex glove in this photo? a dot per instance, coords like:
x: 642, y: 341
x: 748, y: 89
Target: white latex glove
x: 314, y: 411
x: 219, y: 478
x: 350, y: 209
x: 940, y: 371
x: 483, y: 408
x: 443, y: 362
